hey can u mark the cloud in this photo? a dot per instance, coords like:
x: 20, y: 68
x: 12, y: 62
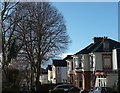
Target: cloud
x: 64, y: 55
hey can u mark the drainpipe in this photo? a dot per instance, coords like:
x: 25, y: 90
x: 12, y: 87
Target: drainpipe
x: 119, y: 80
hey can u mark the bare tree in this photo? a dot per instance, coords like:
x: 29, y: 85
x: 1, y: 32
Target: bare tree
x: 11, y: 44
x: 44, y: 34
x: 38, y: 29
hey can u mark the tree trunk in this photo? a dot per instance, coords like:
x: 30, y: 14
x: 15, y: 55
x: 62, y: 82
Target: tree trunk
x: 38, y: 83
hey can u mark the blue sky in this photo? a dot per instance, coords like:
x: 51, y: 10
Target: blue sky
x: 85, y: 20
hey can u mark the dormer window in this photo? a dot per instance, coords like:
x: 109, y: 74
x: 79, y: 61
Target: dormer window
x: 106, y: 45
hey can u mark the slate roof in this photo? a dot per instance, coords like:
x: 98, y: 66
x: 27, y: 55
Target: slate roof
x: 59, y: 63
x: 44, y: 71
x: 97, y: 46
x: 68, y: 57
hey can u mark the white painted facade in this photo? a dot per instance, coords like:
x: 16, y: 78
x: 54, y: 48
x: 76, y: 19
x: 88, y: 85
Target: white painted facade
x: 70, y: 64
x: 86, y: 62
x: 98, y: 66
x: 44, y: 78
x: 63, y: 74
x: 114, y: 55
x: 54, y: 74
x: 97, y: 60
x: 50, y: 76
x: 59, y: 74
x: 111, y: 77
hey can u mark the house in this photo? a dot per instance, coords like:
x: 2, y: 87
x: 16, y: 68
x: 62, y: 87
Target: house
x: 93, y: 66
x: 50, y: 76
x: 59, y: 71
x: 44, y: 77
x: 74, y: 70
x: 70, y: 69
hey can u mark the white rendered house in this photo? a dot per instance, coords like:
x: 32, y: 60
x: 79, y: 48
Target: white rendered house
x: 59, y: 71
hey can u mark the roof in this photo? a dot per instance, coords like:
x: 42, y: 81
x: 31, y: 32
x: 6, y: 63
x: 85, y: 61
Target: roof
x: 68, y: 57
x: 86, y: 49
x: 59, y: 63
x: 98, y: 44
x: 44, y: 71
x: 112, y: 45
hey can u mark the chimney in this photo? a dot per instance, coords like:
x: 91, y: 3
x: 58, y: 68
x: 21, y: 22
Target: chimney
x: 99, y: 39
x: 105, y: 39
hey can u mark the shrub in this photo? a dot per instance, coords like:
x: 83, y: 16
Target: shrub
x: 10, y: 90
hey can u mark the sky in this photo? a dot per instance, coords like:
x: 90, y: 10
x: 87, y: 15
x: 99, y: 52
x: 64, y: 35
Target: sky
x: 85, y: 20
x: 60, y: 0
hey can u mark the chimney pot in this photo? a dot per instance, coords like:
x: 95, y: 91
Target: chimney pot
x: 97, y: 39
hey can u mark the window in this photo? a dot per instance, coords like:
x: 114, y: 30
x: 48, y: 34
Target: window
x: 91, y: 61
x: 70, y: 67
x: 106, y: 46
x: 107, y: 64
x: 77, y: 62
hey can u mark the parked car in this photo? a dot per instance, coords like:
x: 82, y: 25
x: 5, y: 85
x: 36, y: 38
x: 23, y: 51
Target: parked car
x: 65, y: 88
x: 102, y: 90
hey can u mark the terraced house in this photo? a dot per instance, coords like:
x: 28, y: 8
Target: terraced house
x: 57, y: 72
x: 94, y: 65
